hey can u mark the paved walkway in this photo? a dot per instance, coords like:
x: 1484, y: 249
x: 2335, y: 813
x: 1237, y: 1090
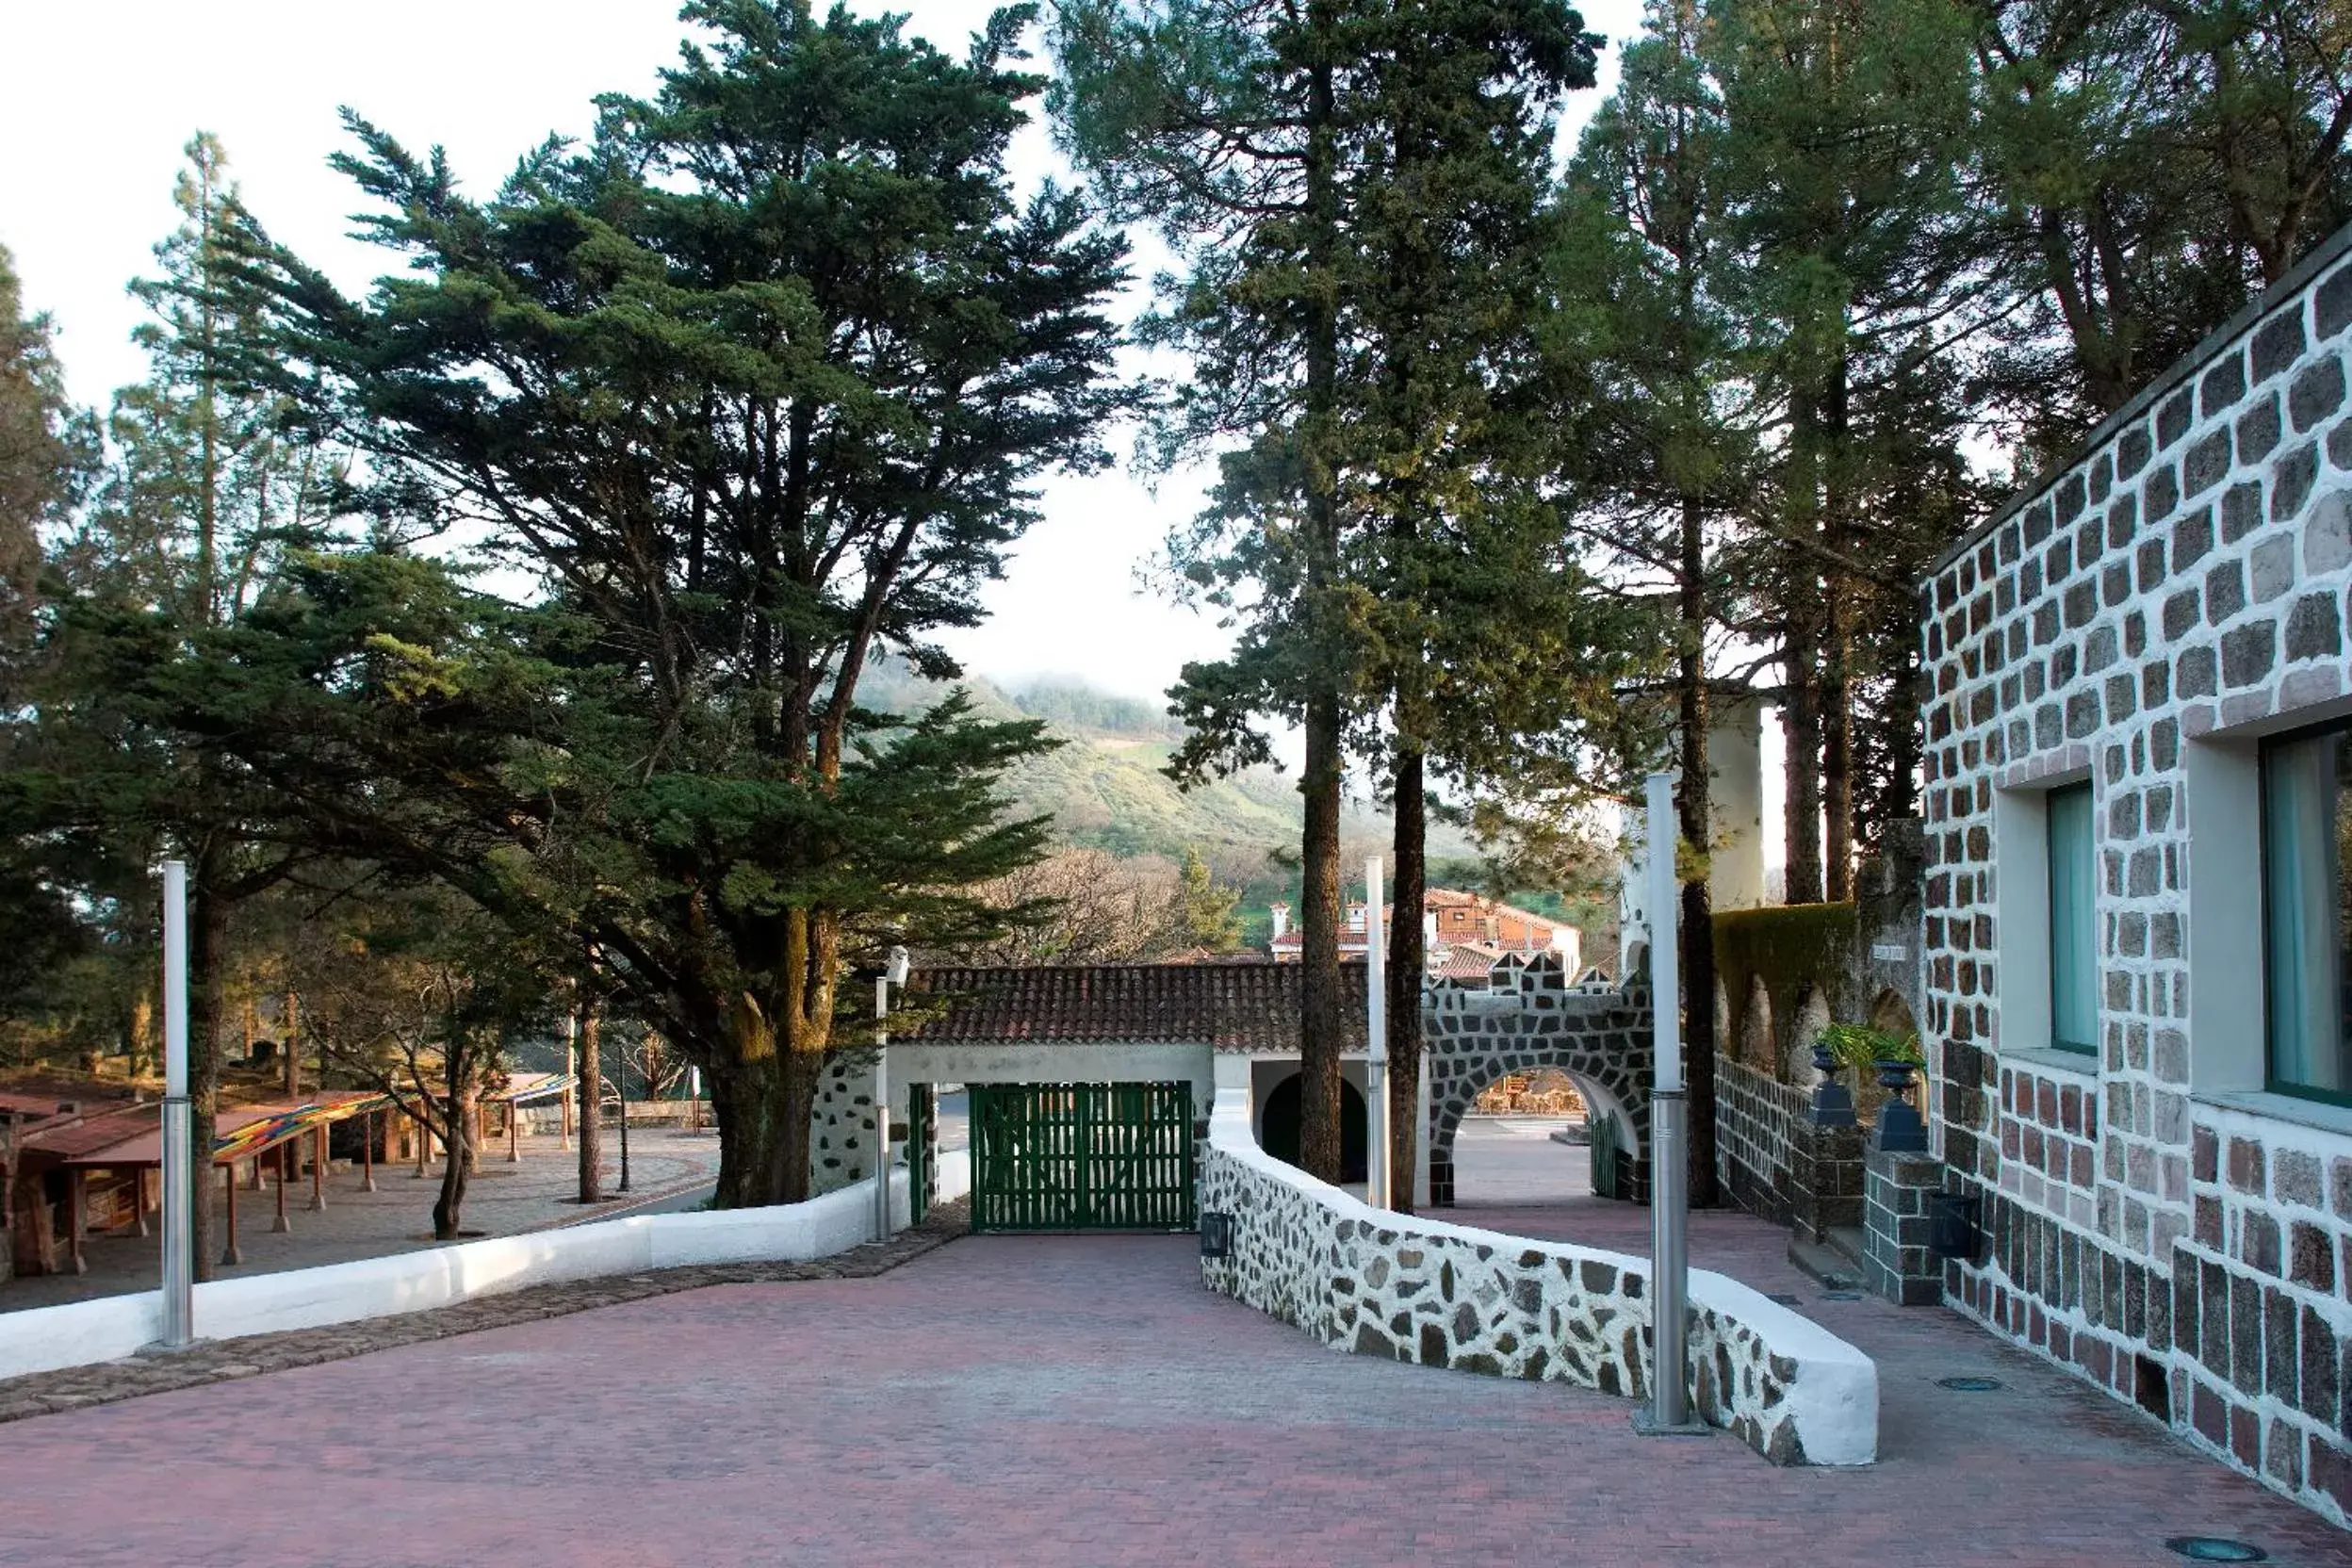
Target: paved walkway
x: 1045, y: 1400
x: 1515, y: 1159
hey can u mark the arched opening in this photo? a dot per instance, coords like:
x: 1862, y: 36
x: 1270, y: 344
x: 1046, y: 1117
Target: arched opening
x: 1891, y: 1013
x: 1812, y: 1018
x: 1526, y: 1139
x: 1277, y: 1126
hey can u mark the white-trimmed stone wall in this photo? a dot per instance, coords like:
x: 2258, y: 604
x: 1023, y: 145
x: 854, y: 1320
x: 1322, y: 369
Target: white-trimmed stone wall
x: 840, y: 1129
x: 1420, y: 1290
x: 2139, y: 620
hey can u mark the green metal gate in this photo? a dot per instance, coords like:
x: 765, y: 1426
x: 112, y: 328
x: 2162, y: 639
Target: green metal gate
x: 1082, y: 1157
x: 1607, y: 1144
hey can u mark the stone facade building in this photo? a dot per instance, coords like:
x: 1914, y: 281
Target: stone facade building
x: 2139, y: 792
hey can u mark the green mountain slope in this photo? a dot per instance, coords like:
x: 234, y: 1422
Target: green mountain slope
x: 1104, y: 790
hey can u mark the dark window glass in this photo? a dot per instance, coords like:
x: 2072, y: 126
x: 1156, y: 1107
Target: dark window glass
x: 2307, y: 817
x: 2073, y: 922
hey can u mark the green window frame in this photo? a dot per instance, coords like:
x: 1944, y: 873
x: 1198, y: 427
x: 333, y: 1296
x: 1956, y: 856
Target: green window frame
x: 2073, y: 922
x: 2307, y: 813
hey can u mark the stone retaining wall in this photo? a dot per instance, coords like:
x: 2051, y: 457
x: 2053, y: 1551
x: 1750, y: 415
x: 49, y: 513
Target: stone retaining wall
x: 1756, y: 1119
x: 1418, y: 1290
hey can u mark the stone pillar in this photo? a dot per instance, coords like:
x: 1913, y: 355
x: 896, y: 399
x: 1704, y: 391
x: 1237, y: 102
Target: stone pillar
x: 924, y: 1113
x: 1896, y: 1259
x: 1824, y: 1178
x: 1441, y: 1181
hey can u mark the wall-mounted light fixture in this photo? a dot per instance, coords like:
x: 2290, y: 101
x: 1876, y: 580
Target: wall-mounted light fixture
x: 1216, y: 1235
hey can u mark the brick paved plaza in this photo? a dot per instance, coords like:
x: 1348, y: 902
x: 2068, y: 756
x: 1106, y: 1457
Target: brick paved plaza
x: 1081, y: 1401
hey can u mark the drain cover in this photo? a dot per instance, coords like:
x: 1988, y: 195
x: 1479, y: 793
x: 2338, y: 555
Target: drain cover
x: 1969, y: 1385
x: 2214, y: 1548
x: 1841, y: 1296
x: 1785, y: 1300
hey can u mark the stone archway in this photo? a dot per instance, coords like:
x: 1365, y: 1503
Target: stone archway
x: 1595, y: 1034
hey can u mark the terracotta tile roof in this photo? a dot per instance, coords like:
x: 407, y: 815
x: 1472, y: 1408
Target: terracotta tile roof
x: 1232, y: 1007
x: 1465, y: 965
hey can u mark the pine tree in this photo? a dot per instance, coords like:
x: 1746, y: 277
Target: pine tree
x: 1848, y: 126
x: 779, y: 361
x: 1667, y: 440
x: 209, y: 480
x: 1207, y: 907
x: 1322, y: 173
x: 2146, y: 168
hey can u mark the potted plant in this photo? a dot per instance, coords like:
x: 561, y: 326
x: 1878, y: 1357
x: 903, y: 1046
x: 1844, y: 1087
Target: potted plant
x: 1862, y: 1049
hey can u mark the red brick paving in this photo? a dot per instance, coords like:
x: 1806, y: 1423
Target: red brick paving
x: 1056, y: 1400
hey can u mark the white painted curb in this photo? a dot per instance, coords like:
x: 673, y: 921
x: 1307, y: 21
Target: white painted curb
x: 44, y: 1339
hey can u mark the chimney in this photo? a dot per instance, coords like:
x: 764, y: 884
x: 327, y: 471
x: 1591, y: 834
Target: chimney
x: 1281, y: 912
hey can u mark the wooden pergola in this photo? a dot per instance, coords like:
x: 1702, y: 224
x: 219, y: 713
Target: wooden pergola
x: 240, y: 1134
x: 114, y: 1144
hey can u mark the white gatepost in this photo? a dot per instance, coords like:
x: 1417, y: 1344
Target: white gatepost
x: 881, y: 1109
x: 1376, y: 1182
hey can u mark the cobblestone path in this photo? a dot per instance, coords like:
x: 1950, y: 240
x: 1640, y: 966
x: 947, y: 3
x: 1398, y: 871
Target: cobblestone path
x: 1060, y: 1400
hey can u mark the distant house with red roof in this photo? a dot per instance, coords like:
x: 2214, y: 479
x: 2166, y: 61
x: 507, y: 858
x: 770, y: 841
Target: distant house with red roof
x: 1466, y: 934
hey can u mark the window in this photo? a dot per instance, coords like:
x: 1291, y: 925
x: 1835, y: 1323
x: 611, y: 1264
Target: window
x: 2307, y: 812
x: 2073, y: 922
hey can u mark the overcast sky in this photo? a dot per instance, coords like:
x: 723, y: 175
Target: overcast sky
x: 97, y: 102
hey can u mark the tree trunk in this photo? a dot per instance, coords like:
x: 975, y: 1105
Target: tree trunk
x: 139, y: 1036
x: 1696, y: 820
x: 1837, y: 706
x: 207, y: 950
x: 449, y: 1209
x: 293, y: 1033
x: 1319, y: 913
x: 1408, y: 956
x: 1801, y: 727
x: 1836, y: 722
x: 1902, y: 721
x: 1319, y: 1036
x: 592, y: 1105
x: 763, y: 1097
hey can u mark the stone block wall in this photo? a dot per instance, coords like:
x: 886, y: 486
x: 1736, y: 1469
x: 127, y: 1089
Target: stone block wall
x: 1756, y: 1126
x: 1418, y: 1290
x: 1895, y: 1261
x: 2049, y: 1148
x: 2172, y: 591
x: 1825, y: 1180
